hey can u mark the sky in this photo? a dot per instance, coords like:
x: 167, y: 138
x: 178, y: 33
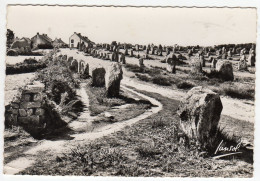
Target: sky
x: 166, y: 26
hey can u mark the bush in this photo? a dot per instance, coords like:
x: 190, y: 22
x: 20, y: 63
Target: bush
x: 239, y: 93
x: 159, y: 80
x: 24, y: 68
x: 134, y: 68
x: 31, y: 53
x: 58, y: 79
x: 45, y: 46
x: 30, y: 61
x: 143, y: 77
x: 12, y: 53
x: 184, y: 85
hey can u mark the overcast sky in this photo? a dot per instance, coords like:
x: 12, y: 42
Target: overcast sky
x: 167, y: 26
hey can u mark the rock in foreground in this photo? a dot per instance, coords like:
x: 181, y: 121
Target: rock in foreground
x: 225, y: 70
x: 199, y: 114
x: 113, y: 77
x: 98, y: 77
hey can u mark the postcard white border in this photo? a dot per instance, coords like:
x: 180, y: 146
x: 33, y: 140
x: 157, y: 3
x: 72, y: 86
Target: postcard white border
x: 173, y: 3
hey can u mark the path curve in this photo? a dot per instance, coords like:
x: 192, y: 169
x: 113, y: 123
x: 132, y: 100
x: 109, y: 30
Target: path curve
x: 56, y: 147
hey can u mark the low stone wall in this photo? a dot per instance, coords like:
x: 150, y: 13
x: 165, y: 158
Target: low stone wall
x: 29, y: 111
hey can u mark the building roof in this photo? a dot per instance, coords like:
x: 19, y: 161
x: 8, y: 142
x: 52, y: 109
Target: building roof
x: 84, y: 38
x: 58, y: 40
x: 27, y: 39
x: 44, y: 37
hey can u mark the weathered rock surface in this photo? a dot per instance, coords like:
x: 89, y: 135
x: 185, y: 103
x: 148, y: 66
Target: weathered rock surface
x: 196, y: 67
x: 98, y: 77
x: 113, y: 77
x: 122, y: 58
x: 74, y: 66
x: 199, y: 114
x: 225, y: 70
x: 213, y: 63
x: 171, y: 61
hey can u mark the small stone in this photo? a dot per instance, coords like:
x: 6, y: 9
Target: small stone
x: 29, y: 112
x: 14, y: 110
x: 37, y: 97
x: 14, y: 105
x: 26, y: 97
x: 39, y: 111
x: 28, y: 105
x: 22, y: 112
x: 35, y: 120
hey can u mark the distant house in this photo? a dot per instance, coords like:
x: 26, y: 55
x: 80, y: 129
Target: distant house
x: 26, y: 39
x: 59, y: 43
x: 77, y: 40
x: 9, y: 37
x: 41, y: 41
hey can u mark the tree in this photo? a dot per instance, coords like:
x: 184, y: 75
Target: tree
x: 9, y: 38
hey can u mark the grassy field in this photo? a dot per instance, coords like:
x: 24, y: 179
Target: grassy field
x: 241, y: 88
x: 152, y: 147
x: 120, y: 108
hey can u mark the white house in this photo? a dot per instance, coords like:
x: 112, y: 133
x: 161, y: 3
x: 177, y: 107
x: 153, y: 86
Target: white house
x: 77, y: 40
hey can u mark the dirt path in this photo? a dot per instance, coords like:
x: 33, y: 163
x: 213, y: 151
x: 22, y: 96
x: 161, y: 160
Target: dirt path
x: 60, y: 146
x: 238, y: 109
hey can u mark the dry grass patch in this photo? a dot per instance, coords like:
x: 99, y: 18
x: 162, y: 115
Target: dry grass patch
x: 145, y: 149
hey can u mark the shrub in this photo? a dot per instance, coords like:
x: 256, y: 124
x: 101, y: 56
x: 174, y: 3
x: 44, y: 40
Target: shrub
x: 45, y: 46
x: 159, y: 80
x: 143, y: 77
x: 134, y: 68
x: 58, y: 79
x: 31, y: 53
x: 24, y: 68
x: 12, y: 53
x: 184, y: 85
x: 239, y: 93
x: 30, y: 61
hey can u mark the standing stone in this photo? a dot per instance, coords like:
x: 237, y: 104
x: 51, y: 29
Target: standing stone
x: 189, y: 52
x: 113, y: 78
x: 98, y: 77
x: 81, y: 66
x: 122, y: 58
x: 224, y: 55
x: 114, y: 57
x: 141, y: 62
x: 243, y: 52
x: 147, y: 51
x: 171, y: 61
x: 64, y: 57
x: 131, y: 53
x: 199, y: 114
x: 168, y: 51
x: 126, y: 51
x: 70, y: 60
x: 153, y: 51
x: 225, y: 70
x: 202, y: 60
x: 251, y: 58
x: 85, y: 72
x: 74, y: 66
x: 196, y: 66
x: 242, y: 65
x: 213, y: 62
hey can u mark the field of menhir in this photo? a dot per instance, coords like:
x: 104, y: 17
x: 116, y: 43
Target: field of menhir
x: 130, y: 110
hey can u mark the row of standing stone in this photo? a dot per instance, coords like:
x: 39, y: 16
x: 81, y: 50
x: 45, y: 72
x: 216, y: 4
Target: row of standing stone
x: 109, y: 78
